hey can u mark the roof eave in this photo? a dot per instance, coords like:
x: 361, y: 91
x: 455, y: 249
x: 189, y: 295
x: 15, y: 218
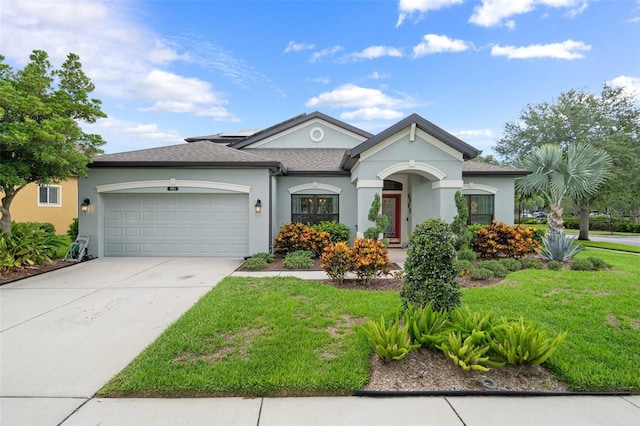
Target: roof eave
x: 272, y: 165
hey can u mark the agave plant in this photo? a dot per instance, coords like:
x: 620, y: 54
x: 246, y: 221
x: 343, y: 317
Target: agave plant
x: 558, y: 246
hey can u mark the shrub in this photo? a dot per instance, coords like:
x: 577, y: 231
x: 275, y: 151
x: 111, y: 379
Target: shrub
x: 554, y: 265
x: 478, y: 274
x: 370, y: 259
x: 459, y: 227
x: 338, y: 232
x: 511, y: 264
x: 498, y: 269
x: 519, y: 343
x: 598, y: 264
x: 467, y: 254
x: 299, y: 259
x: 390, y: 342
x: 427, y: 327
x: 268, y: 257
x: 464, y: 353
x: 337, y: 260
x: 255, y: 264
x: 499, y: 238
x: 296, y: 236
x: 29, y: 244
x: 582, y: 264
x: 557, y: 246
x: 430, y: 270
x: 528, y: 263
x: 381, y: 221
x: 464, y: 266
x: 72, y: 231
x: 47, y: 227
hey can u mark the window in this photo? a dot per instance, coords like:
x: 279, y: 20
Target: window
x: 314, y: 209
x: 49, y: 195
x: 480, y: 209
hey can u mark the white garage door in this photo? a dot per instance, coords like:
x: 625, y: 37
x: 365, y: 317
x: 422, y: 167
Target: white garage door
x: 176, y: 225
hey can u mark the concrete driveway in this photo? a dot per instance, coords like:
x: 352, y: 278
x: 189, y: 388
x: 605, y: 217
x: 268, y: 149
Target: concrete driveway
x: 64, y: 334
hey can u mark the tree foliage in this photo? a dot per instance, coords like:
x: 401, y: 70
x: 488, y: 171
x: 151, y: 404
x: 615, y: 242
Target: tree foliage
x: 609, y: 120
x: 576, y: 173
x: 41, y: 139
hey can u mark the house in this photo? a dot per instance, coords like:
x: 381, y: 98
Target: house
x: 227, y: 195
x: 52, y: 203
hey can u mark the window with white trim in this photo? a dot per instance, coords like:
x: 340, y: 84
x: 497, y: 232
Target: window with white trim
x: 49, y: 195
x: 313, y: 209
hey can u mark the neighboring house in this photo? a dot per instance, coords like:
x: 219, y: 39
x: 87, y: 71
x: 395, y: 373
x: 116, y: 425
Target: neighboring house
x: 53, y: 203
x: 227, y: 195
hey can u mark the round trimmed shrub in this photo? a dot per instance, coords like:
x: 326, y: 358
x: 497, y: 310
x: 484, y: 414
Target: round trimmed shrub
x: 467, y: 254
x: 480, y: 274
x: 528, y: 263
x: 598, y: 264
x: 338, y: 232
x: 582, y: 264
x: 498, y: 269
x: 430, y: 271
x: 464, y: 266
x: 300, y: 259
x: 255, y: 264
x: 511, y: 264
x: 555, y: 265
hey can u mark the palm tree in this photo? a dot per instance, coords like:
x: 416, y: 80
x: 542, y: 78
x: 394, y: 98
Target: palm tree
x: 576, y: 173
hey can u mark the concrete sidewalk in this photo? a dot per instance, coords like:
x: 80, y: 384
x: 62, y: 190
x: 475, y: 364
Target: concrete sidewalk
x: 356, y: 411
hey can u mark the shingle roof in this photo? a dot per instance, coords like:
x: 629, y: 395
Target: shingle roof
x: 479, y: 168
x: 303, y: 159
x: 201, y: 153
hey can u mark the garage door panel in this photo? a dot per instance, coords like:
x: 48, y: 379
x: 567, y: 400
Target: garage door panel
x: 176, y: 225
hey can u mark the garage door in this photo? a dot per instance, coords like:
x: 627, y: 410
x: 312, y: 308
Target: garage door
x: 176, y: 225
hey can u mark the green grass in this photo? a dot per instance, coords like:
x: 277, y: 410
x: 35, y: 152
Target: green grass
x: 600, y: 310
x: 269, y: 336
x: 610, y: 246
x: 285, y: 336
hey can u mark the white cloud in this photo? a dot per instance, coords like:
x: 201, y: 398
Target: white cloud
x: 329, y: 51
x: 298, y: 47
x: 371, y: 113
x: 374, y: 52
x: 410, y: 7
x: 322, y: 80
x: 568, y: 49
x: 434, y: 43
x: 166, y: 86
x: 473, y: 134
x: 379, y: 75
x: 493, y: 13
x: 350, y: 95
x: 631, y: 85
x: 123, y: 134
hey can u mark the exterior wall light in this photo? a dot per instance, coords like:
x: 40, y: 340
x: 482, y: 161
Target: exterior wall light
x: 258, y: 206
x: 84, y: 207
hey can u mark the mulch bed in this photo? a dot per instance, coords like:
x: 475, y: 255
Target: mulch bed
x: 15, y: 274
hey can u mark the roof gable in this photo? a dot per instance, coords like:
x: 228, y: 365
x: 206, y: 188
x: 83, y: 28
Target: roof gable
x: 260, y: 138
x: 468, y: 152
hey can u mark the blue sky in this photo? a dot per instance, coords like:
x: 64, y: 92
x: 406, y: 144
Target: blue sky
x: 166, y: 70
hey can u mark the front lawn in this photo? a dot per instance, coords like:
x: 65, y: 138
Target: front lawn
x: 285, y: 336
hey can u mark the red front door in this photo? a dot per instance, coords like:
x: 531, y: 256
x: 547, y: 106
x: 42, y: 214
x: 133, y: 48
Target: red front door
x: 391, y: 209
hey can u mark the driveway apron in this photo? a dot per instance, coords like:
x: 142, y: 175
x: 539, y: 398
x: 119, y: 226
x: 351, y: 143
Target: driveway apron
x: 64, y: 334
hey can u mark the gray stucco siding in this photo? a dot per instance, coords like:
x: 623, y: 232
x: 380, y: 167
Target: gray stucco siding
x: 252, y: 182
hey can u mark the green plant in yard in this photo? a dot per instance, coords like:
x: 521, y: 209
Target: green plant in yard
x: 558, y: 246
x: 467, y: 254
x: 381, y: 221
x: 528, y: 263
x: 29, y: 244
x: 390, y: 342
x: 339, y: 232
x: 459, y: 226
x: 498, y: 269
x: 466, y: 321
x: 479, y: 274
x: 582, y: 264
x: 554, y: 265
x: 255, y: 264
x: 268, y: 257
x: 464, y: 266
x: 430, y: 270
x: 72, y: 231
x: 299, y: 259
x: 465, y: 354
x: 598, y: 263
x: 370, y: 259
x: 511, y: 264
x: 427, y: 327
x: 519, y: 343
